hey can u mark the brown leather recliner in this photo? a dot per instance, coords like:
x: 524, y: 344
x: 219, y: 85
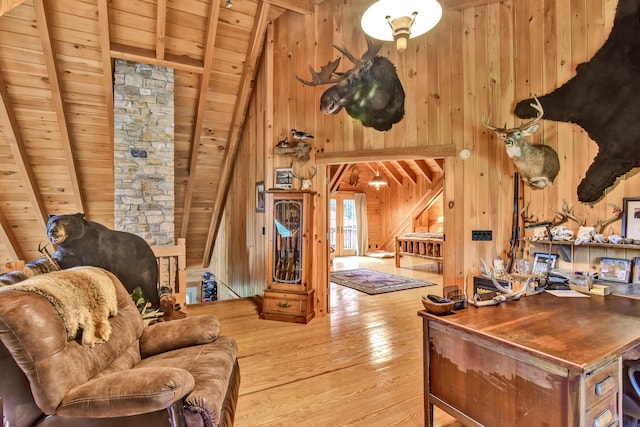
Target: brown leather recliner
x: 169, y: 374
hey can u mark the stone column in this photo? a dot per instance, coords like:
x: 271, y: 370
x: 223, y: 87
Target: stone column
x: 144, y: 151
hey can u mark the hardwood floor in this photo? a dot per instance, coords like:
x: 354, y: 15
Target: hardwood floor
x: 361, y: 365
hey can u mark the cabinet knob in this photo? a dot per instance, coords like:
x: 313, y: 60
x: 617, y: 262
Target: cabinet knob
x: 605, y: 386
x: 283, y: 304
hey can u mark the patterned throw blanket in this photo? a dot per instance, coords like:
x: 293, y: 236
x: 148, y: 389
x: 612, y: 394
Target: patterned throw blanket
x: 84, y: 297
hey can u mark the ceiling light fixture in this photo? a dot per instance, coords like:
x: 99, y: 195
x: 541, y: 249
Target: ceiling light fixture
x: 407, y: 19
x: 377, y: 181
x: 228, y: 4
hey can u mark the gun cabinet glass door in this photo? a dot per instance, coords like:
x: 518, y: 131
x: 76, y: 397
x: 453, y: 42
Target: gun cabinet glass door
x: 287, y: 251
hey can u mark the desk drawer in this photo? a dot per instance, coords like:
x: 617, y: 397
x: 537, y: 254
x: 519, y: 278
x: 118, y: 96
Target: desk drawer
x: 604, y: 414
x: 601, y: 384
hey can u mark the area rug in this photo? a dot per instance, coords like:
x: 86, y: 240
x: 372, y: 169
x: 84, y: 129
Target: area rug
x: 374, y: 282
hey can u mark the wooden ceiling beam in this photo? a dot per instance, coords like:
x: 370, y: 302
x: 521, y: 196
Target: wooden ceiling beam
x: 406, y: 169
x: 42, y: 20
x: 161, y: 28
x: 11, y: 129
x: 336, y: 178
x: 391, y: 171
x: 7, y: 5
x: 107, y: 65
x: 425, y: 170
x: 304, y: 7
x: 212, y: 29
x: 137, y: 54
x: 9, y: 239
x: 404, y: 153
x: 259, y: 32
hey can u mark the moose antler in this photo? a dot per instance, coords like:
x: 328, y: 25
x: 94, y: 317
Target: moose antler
x: 602, y: 224
x: 565, y: 215
x: 328, y: 74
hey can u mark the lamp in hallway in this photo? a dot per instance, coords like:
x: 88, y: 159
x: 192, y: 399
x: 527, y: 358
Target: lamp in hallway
x: 378, y: 181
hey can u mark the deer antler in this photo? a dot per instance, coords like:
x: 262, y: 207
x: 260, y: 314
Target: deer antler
x: 565, y: 215
x: 526, y: 218
x: 602, y: 224
x: 43, y: 250
x: 537, y: 106
x: 540, y: 112
x: 303, y: 178
x: 530, y: 222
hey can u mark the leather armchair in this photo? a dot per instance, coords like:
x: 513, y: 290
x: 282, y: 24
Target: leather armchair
x: 178, y: 373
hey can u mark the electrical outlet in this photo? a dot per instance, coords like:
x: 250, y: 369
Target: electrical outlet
x: 481, y: 235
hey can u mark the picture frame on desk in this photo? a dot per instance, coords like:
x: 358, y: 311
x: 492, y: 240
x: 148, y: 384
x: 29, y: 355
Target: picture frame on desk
x: 615, y: 270
x: 631, y: 217
x: 543, y: 262
x: 635, y: 276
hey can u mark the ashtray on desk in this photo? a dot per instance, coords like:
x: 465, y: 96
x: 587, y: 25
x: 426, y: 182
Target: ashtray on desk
x: 437, y: 307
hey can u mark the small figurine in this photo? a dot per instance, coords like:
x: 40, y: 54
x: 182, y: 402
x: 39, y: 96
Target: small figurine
x: 284, y: 143
x: 298, y: 134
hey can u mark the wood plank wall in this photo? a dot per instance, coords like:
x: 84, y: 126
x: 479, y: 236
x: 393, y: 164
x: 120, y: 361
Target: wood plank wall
x: 478, y: 60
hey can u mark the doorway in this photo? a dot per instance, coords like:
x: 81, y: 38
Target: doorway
x: 343, y: 227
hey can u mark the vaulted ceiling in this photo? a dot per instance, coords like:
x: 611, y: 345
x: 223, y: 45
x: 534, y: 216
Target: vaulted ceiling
x: 56, y: 109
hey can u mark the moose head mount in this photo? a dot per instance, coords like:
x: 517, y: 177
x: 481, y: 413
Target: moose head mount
x: 538, y: 164
x: 370, y: 92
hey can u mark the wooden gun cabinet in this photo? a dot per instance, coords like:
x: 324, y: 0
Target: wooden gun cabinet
x: 289, y: 295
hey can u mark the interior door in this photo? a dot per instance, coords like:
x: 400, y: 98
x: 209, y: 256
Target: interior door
x: 342, y: 224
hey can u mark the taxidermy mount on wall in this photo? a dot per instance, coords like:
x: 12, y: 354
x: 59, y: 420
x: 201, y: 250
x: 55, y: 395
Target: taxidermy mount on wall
x: 371, y: 91
x: 603, y: 98
x: 538, y: 164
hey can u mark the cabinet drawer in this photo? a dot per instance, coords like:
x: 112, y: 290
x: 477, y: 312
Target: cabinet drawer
x: 604, y: 414
x: 601, y: 384
x: 283, y: 305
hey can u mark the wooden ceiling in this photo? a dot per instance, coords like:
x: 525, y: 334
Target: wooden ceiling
x: 56, y: 114
x: 356, y: 176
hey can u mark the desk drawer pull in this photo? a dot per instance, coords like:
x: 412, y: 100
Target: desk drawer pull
x: 283, y: 304
x: 605, y: 386
x: 605, y: 419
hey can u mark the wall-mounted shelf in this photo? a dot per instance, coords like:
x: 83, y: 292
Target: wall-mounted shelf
x: 586, y: 257
x: 591, y: 244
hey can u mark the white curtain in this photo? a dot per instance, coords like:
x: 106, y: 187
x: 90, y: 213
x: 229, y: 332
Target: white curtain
x: 361, y: 220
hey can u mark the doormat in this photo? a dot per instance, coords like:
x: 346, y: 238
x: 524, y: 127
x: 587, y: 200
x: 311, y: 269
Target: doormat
x: 374, y: 282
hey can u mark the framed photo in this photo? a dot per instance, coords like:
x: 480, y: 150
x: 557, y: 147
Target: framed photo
x: 635, y: 277
x: 284, y: 178
x: 631, y: 217
x: 260, y: 196
x: 543, y: 263
x: 615, y: 269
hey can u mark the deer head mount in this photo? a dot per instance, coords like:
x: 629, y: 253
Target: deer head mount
x: 370, y: 92
x: 538, y: 164
x: 305, y: 181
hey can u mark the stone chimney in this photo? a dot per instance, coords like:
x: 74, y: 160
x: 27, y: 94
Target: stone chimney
x: 144, y: 151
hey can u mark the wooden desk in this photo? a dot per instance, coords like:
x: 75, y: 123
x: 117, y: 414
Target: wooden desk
x: 540, y: 361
